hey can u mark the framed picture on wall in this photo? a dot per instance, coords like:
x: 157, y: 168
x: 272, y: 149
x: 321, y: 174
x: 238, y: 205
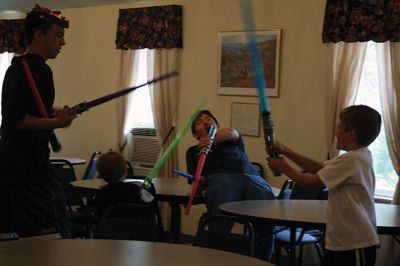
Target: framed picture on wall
x: 235, y: 71
x: 245, y: 118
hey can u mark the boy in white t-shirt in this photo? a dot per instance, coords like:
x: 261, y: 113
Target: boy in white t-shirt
x: 351, y: 236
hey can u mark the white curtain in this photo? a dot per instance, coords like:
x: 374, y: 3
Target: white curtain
x: 128, y: 70
x: 164, y: 97
x: 346, y: 62
x: 388, y: 55
x: 164, y: 100
x: 344, y: 73
x: 5, y: 61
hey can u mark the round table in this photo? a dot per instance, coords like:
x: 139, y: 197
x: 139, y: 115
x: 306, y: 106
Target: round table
x: 306, y: 213
x: 114, y: 252
x: 73, y: 161
x: 175, y: 191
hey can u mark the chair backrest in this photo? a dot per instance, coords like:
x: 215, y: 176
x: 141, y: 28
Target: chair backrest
x: 129, y: 169
x: 291, y: 190
x: 90, y: 172
x: 299, y: 192
x: 128, y: 221
x: 259, y: 168
x: 286, y: 189
x: 65, y: 172
x: 222, y: 240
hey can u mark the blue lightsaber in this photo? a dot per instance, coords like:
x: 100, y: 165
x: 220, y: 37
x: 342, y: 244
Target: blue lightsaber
x: 268, y: 127
x: 189, y: 177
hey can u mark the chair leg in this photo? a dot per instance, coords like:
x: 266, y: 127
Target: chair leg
x: 277, y: 255
x: 318, y: 251
x: 289, y: 253
x: 301, y: 255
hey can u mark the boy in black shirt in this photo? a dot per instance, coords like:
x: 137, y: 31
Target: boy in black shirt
x: 111, y: 167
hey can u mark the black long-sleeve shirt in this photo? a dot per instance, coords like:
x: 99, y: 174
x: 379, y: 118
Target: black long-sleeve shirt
x: 24, y: 154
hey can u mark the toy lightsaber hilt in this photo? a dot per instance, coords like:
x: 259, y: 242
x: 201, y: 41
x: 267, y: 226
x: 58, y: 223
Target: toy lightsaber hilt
x: 269, y: 136
x: 54, y: 142
x: 212, y: 131
x: 78, y: 109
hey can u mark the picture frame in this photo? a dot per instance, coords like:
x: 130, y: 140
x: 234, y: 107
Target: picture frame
x: 245, y: 118
x: 235, y: 71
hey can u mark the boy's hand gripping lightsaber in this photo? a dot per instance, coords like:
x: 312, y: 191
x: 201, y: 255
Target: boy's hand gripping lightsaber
x: 200, y: 163
x: 268, y: 127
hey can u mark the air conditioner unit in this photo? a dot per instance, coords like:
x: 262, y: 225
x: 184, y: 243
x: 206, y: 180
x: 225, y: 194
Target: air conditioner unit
x: 144, y: 150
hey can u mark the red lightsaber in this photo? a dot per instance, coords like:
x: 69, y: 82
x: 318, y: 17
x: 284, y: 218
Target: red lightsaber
x: 200, y: 163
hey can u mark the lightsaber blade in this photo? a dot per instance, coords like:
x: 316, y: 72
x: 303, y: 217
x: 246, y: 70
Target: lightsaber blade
x: 154, y: 171
x: 85, y: 106
x: 200, y: 163
x: 268, y: 127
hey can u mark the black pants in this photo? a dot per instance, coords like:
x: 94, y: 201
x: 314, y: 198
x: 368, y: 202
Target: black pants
x: 363, y: 257
x: 33, y: 210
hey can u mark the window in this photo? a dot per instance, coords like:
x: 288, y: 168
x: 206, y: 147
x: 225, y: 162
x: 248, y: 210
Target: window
x: 140, y: 114
x: 5, y: 60
x: 369, y: 94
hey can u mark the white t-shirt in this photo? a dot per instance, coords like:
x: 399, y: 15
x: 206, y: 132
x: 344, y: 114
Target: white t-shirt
x: 351, y: 219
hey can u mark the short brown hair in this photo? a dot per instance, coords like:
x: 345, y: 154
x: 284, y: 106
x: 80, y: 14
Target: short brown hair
x: 364, y: 120
x: 111, y: 166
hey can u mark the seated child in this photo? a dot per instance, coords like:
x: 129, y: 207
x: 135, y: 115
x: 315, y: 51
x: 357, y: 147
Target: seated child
x: 111, y: 167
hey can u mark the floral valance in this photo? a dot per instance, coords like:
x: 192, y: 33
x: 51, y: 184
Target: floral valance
x: 12, y: 36
x: 150, y: 27
x: 361, y: 21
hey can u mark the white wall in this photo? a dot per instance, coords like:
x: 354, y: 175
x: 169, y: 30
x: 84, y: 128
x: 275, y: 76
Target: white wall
x: 88, y: 67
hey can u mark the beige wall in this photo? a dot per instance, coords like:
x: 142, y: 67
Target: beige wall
x: 88, y: 67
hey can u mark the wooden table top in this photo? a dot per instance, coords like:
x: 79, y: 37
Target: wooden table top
x: 73, y: 161
x: 114, y: 252
x: 167, y: 189
x: 307, y: 213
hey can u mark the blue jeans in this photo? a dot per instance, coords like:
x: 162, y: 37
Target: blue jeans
x: 224, y: 187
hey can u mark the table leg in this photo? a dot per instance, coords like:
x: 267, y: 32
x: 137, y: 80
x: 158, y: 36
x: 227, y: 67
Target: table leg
x: 175, y: 222
x: 292, y: 253
x: 397, y: 239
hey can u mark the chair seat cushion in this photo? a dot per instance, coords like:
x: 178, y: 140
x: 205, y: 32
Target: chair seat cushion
x: 284, y: 237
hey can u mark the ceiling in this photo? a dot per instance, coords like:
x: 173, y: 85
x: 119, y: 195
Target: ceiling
x: 27, y: 5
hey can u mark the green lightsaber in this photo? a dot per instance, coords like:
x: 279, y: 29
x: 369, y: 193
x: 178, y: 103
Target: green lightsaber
x: 173, y: 145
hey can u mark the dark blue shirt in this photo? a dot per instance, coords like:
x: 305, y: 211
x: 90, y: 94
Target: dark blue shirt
x: 224, y: 157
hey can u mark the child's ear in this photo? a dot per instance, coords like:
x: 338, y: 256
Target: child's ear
x: 353, y: 134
